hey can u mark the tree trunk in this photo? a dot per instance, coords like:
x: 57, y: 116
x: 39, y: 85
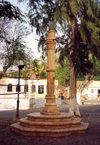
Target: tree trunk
x: 73, y: 106
x: 2, y: 73
x: 79, y: 101
x: 80, y: 89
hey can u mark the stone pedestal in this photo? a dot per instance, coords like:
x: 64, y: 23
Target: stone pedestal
x: 36, y: 124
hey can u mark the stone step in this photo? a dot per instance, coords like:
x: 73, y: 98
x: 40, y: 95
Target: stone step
x: 18, y: 128
x: 49, y: 118
x: 37, y: 124
x: 54, y: 125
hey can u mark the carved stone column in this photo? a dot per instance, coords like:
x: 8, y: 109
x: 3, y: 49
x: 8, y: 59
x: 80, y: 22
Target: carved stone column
x: 50, y: 106
x: 50, y: 122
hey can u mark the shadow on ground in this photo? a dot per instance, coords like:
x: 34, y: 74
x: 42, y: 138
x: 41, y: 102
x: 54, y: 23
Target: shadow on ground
x: 90, y: 114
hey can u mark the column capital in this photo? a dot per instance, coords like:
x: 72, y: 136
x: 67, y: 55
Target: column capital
x: 51, y: 40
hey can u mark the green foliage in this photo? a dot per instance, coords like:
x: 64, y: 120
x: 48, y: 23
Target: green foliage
x: 7, y: 10
x: 80, y: 79
x: 96, y: 67
x: 74, y: 7
x: 36, y: 65
x: 43, y: 75
x: 95, y: 70
x: 59, y: 14
x: 96, y: 78
x: 80, y: 56
x: 62, y: 73
x: 39, y: 66
x: 80, y: 16
x: 23, y: 74
x: 90, y: 27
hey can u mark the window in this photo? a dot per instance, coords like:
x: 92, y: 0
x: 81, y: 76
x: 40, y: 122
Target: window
x: 9, y: 89
x: 98, y: 91
x: 33, y: 88
x: 40, y: 89
x: 26, y: 88
x: 18, y: 88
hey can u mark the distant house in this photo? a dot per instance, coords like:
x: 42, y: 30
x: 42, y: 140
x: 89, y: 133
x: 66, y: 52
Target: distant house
x: 91, y: 91
x: 29, y: 90
x: 94, y: 90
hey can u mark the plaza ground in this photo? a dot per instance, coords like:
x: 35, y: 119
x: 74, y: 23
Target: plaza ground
x: 90, y: 113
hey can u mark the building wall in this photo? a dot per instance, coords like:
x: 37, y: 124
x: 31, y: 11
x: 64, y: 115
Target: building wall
x: 93, y: 93
x: 27, y: 99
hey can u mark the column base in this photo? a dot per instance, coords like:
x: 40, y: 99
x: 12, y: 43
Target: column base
x: 50, y: 109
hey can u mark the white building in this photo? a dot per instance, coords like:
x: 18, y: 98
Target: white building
x: 94, y: 90
x: 90, y: 92
x: 31, y: 92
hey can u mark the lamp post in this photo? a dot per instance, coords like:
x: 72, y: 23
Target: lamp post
x: 20, y: 67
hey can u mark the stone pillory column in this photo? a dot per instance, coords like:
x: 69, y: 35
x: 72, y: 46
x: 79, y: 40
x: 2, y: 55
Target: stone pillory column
x: 50, y: 106
x: 50, y: 122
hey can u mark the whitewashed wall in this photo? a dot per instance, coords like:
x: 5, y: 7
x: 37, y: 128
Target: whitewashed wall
x: 27, y: 100
x: 93, y: 95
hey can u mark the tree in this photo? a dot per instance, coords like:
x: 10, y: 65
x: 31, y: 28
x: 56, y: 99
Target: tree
x: 96, y: 68
x: 62, y: 73
x: 7, y: 10
x: 77, y: 20
x: 36, y: 69
x: 81, y: 87
x: 43, y: 68
x: 13, y: 47
x: 39, y: 66
x: 11, y: 35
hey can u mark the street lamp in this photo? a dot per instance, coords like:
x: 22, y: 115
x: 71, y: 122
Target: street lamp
x: 20, y: 67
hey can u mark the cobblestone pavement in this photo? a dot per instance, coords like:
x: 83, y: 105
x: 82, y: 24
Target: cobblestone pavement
x: 90, y: 114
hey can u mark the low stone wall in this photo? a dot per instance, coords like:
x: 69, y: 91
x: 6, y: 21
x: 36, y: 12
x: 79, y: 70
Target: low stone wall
x: 40, y: 102
x: 24, y: 103
x: 12, y: 103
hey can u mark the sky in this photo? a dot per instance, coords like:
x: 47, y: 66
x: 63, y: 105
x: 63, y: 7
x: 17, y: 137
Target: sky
x: 30, y: 40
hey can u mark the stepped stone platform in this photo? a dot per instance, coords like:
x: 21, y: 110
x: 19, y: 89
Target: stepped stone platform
x: 37, y: 124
